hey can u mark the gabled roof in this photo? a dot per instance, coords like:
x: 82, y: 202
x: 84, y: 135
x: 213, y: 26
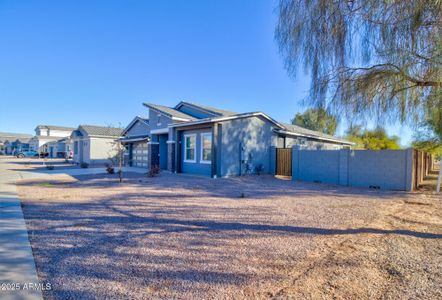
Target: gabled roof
x: 170, y: 112
x: 282, y: 128
x: 53, y: 127
x: 101, y: 130
x: 132, y: 123
x: 10, y: 135
x: 212, y: 110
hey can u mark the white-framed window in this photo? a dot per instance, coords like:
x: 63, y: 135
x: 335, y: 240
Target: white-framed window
x: 206, y: 148
x: 189, y: 148
x: 158, y: 119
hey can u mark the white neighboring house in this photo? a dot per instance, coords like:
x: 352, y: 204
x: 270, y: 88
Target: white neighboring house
x: 94, y: 144
x: 48, y: 133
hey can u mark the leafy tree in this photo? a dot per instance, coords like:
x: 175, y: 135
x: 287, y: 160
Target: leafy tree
x: 429, y: 136
x: 376, y: 139
x: 316, y: 119
x: 370, y: 57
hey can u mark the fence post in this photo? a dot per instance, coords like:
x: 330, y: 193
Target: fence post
x: 439, y: 178
x: 295, y: 162
x: 409, y: 170
x: 273, y: 160
x: 344, y: 157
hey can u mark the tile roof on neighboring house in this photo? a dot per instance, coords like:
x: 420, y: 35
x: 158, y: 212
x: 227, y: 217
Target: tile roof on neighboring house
x: 170, y: 112
x: 53, y: 127
x: 101, y: 130
x: 214, y: 110
x: 10, y: 135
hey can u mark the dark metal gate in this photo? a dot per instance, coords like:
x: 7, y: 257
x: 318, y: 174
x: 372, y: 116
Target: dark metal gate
x: 284, y: 161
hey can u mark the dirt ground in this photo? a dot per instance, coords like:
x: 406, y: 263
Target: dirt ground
x: 182, y: 237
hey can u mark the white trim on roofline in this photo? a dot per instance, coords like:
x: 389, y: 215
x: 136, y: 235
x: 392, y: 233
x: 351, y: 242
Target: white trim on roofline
x: 160, y: 130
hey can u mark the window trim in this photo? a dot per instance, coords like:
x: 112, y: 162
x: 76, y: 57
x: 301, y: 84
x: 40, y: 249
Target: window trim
x: 202, y: 161
x: 185, y: 148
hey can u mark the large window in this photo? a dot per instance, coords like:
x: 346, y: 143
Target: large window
x: 189, y: 148
x: 75, y: 148
x: 206, y: 148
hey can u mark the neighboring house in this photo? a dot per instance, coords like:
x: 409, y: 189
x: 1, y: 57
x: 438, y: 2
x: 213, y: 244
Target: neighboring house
x: 48, y: 133
x: 15, y: 146
x: 14, y: 142
x: 59, y: 148
x: 198, y: 139
x: 136, y: 136
x: 94, y: 144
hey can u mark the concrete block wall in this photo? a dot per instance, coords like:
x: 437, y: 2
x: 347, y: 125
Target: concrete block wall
x: 384, y: 169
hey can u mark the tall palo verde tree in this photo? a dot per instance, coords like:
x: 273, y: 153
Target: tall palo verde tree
x: 366, y: 57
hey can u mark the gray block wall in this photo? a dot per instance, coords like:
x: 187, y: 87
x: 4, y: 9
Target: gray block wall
x: 384, y: 169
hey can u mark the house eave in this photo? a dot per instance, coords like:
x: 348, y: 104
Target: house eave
x: 223, y: 119
x: 285, y: 132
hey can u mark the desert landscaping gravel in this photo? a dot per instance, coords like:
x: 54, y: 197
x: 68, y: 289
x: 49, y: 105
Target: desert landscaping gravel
x: 255, y: 237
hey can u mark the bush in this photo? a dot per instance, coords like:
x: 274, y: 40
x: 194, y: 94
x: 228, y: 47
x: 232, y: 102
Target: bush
x: 110, y: 169
x: 154, y: 171
x: 84, y: 165
x: 50, y: 167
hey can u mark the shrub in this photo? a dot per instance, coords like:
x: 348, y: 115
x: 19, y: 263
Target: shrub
x: 259, y: 169
x: 110, y: 169
x: 154, y: 171
x: 84, y: 165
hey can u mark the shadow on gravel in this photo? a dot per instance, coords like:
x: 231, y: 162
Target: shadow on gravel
x: 251, y: 186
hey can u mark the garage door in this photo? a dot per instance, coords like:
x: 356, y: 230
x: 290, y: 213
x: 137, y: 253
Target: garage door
x: 139, y: 155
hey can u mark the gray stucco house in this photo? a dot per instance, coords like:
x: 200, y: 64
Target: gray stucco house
x: 94, y: 144
x: 136, y: 136
x: 198, y: 139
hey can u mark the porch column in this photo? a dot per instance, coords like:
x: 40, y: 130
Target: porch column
x: 153, y: 151
x: 214, y: 149
x: 171, y: 156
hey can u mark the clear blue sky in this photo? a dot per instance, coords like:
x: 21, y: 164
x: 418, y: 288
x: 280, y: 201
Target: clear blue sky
x: 94, y: 62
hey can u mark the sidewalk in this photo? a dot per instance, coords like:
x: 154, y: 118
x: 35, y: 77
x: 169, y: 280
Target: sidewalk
x: 16, y: 261
x: 17, y: 264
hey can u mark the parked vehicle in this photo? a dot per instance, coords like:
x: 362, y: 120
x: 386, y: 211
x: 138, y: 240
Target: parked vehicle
x: 30, y: 153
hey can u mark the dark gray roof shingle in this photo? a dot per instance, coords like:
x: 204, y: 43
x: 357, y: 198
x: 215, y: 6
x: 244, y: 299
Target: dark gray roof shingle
x: 101, y: 130
x: 54, y: 127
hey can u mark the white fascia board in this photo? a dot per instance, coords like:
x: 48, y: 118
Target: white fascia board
x: 160, y: 130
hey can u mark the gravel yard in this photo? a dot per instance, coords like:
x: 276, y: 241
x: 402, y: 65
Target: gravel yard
x: 254, y: 237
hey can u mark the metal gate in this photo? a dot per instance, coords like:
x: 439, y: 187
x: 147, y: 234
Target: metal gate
x: 284, y: 161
